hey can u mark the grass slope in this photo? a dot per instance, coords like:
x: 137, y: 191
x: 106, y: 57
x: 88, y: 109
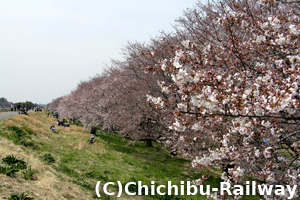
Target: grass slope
x: 65, y: 166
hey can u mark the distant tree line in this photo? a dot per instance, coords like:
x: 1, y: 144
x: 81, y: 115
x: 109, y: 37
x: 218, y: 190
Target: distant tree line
x: 27, y: 104
x: 4, y: 102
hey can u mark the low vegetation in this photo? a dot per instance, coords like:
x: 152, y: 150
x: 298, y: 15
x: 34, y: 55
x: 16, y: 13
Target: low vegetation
x: 64, y: 165
x: 20, y: 196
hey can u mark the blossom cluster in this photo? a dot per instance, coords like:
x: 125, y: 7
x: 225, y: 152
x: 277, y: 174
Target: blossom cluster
x: 238, y: 75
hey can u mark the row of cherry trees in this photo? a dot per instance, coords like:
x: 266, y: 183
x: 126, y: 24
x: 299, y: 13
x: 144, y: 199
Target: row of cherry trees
x: 227, y: 81
x: 117, y: 100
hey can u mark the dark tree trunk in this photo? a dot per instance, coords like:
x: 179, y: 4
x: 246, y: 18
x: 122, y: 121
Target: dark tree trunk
x: 148, y: 143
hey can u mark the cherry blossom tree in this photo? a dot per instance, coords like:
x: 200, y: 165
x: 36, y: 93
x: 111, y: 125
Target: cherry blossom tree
x: 236, y: 78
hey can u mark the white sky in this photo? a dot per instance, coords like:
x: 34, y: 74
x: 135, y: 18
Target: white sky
x: 48, y: 46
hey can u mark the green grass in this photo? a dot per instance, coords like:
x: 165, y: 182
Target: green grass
x: 122, y: 162
x: 21, y: 135
x: 111, y: 158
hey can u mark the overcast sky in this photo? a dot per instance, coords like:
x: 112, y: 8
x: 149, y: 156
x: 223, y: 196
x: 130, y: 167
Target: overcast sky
x: 48, y: 46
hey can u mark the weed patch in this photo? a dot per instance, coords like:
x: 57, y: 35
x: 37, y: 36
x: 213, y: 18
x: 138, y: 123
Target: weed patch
x: 20, y: 196
x: 48, y: 158
x: 11, y: 165
x: 29, y: 174
x: 14, y: 162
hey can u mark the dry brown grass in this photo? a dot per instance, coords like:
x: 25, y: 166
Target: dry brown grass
x: 47, y: 186
x: 50, y: 184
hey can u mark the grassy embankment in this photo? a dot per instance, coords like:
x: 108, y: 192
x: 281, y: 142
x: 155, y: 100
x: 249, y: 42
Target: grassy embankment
x: 64, y: 165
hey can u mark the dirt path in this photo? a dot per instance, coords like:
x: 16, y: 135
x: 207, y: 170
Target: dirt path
x: 4, y: 115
